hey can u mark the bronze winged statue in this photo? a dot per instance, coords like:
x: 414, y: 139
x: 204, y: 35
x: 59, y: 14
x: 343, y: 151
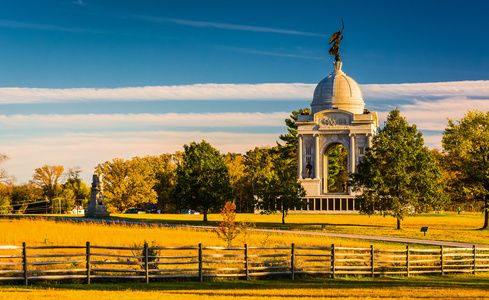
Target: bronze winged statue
x: 335, y: 39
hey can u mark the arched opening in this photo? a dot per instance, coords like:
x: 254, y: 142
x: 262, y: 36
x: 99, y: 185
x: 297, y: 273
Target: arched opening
x: 336, y: 160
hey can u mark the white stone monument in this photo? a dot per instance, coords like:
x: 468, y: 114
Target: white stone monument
x: 338, y: 118
x: 97, y: 206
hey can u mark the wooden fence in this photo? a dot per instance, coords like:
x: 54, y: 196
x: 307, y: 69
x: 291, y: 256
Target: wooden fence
x: 90, y: 262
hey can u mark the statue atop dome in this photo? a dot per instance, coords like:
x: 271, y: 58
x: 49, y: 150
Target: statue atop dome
x: 335, y: 39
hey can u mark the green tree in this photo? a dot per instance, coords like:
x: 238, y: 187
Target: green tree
x: 337, y: 169
x: 278, y: 188
x: 398, y: 176
x: 127, y: 183
x: 289, y: 149
x: 47, y: 178
x: 164, y: 168
x: 466, y: 145
x: 81, y: 193
x: 202, y: 179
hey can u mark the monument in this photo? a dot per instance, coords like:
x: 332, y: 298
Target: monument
x: 333, y: 139
x: 97, y: 206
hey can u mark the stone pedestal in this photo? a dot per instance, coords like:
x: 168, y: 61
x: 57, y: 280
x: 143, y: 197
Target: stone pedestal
x: 97, y: 206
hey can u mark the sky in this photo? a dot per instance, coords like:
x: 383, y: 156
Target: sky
x: 86, y: 81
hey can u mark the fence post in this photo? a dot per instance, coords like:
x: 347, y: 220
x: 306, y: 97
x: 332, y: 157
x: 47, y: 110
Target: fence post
x: 475, y: 259
x: 24, y: 254
x: 246, y: 262
x: 146, y: 265
x: 333, y: 263
x: 292, y: 265
x: 372, y: 260
x: 201, y: 278
x: 88, y: 262
x: 442, y: 263
x: 407, y: 260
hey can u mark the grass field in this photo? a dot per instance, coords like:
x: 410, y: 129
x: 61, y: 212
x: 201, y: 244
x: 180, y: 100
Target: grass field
x: 445, y: 227
x: 37, y: 232
x: 450, y: 287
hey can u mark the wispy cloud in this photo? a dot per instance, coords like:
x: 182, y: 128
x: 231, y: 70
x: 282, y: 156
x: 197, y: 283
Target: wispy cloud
x: 266, y: 91
x: 479, y: 88
x: 225, y: 26
x: 251, y: 51
x: 27, y: 25
x: 136, y: 121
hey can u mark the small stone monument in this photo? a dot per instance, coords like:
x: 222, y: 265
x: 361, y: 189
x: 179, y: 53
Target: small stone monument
x: 97, y: 206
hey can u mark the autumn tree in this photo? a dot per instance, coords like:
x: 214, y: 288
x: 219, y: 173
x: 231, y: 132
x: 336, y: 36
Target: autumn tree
x: 228, y: 229
x: 239, y: 179
x: 202, y: 179
x: 127, y: 183
x: 398, y: 176
x: 47, y: 178
x: 5, y: 187
x: 466, y: 145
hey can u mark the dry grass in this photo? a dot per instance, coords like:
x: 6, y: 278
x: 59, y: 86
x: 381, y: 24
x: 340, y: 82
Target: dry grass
x: 447, y: 226
x: 46, y: 232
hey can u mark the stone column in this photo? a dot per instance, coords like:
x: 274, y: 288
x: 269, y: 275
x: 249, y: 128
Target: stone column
x: 352, y: 153
x: 369, y: 137
x: 316, y: 155
x: 299, y: 157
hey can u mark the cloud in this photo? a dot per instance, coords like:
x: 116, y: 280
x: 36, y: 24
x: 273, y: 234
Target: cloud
x: 27, y: 25
x: 251, y: 51
x: 226, y: 26
x: 479, y: 88
x: 88, y: 150
x: 265, y: 91
x: 136, y: 121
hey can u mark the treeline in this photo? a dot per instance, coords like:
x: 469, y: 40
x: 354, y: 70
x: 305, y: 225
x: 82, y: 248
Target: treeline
x: 397, y: 176
x: 200, y: 178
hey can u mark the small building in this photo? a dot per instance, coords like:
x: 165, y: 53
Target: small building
x: 332, y: 141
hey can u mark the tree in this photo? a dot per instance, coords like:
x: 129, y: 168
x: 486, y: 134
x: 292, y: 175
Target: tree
x: 47, y: 178
x: 398, y: 176
x: 337, y: 169
x: 127, y: 183
x: 81, y: 193
x: 278, y: 189
x: 164, y: 168
x: 5, y: 188
x: 202, y: 178
x: 240, y: 182
x: 228, y: 229
x: 289, y: 150
x: 4, y: 177
x: 466, y: 144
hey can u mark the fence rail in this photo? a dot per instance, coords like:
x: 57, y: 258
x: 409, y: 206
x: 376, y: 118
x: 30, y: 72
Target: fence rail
x: 23, y: 264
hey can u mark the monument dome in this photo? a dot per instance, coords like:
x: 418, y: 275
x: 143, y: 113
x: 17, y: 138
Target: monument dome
x: 338, y: 91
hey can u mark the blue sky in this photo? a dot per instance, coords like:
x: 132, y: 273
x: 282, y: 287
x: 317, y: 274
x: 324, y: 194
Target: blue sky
x: 85, y: 81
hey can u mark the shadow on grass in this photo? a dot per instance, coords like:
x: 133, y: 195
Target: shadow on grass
x: 476, y: 283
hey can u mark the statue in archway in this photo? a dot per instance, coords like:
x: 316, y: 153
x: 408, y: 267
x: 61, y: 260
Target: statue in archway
x: 308, y: 170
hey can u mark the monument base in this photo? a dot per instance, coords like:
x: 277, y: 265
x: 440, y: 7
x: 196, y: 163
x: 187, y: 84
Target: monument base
x: 97, y: 211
